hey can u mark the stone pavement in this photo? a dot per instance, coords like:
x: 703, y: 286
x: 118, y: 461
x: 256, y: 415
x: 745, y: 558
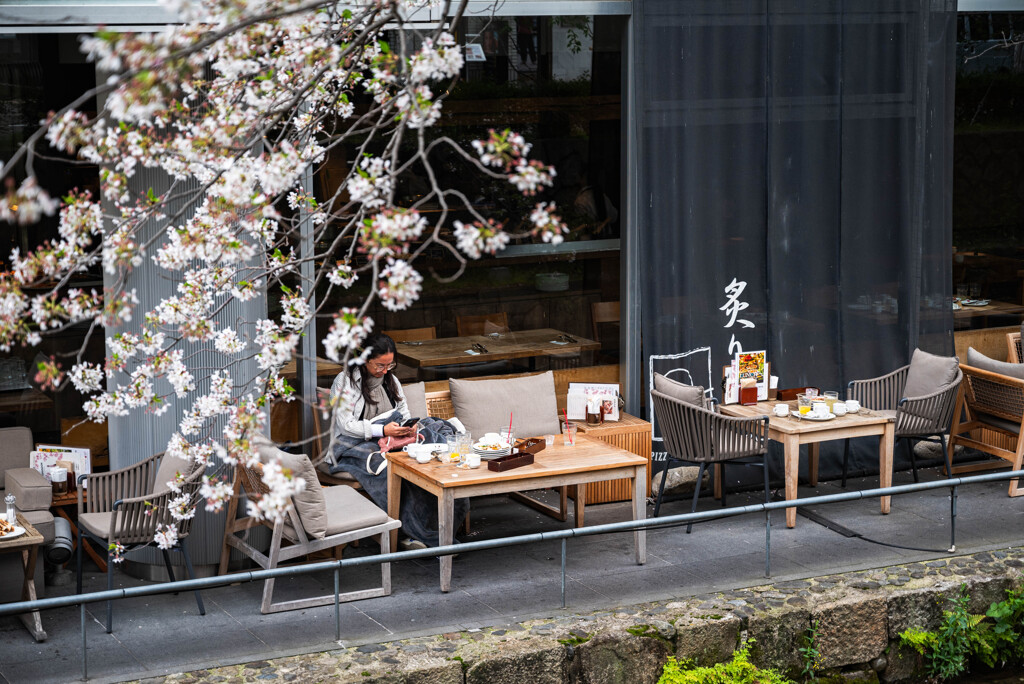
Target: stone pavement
x: 503, y: 588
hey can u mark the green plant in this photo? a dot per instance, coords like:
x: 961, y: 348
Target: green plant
x: 948, y: 649
x: 1004, y: 636
x: 810, y: 655
x: 737, y: 671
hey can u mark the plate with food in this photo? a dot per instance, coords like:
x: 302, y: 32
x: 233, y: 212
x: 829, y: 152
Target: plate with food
x: 9, y: 530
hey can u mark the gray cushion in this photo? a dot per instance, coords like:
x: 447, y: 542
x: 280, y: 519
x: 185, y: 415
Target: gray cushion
x: 691, y: 394
x: 15, y: 447
x: 416, y: 399
x: 170, y: 466
x: 32, y: 491
x: 349, y: 510
x: 996, y: 421
x: 929, y: 373
x: 485, y: 405
x: 976, y: 359
x: 309, y: 503
x: 43, y: 522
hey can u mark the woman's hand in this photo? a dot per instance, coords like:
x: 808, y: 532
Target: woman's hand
x: 394, y: 429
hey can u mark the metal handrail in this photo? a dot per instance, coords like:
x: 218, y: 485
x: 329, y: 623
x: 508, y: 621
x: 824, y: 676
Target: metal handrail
x: 187, y: 585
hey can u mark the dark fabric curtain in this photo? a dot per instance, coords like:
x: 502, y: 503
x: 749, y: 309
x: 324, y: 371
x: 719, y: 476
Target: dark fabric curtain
x: 795, y: 160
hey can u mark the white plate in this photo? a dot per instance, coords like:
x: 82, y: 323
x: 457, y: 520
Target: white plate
x: 811, y: 416
x: 18, y: 531
x: 502, y: 446
x: 976, y: 302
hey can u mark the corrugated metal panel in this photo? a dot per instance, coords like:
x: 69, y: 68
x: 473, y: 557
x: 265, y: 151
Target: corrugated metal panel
x: 139, y: 435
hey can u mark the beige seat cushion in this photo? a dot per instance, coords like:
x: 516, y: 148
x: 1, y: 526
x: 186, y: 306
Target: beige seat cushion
x: 324, y: 468
x: 43, y: 522
x: 32, y: 491
x: 309, y: 503
x: 691, y: 394
x: 929, y: 373
x: 97, y: 523
x: 416, y: 399
x: 349, y: 510
x: 485, y: 405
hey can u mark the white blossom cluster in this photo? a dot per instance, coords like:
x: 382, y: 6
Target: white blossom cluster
x: 476, y: 239
x: 400, y: 285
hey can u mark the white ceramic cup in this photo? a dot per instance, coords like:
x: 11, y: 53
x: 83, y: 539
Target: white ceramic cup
x: 820, y: 409
x: 423, y: 457
x: 781, y: 410
x: 839, y: 408
x: 852, y: 405
x: 473, y: 460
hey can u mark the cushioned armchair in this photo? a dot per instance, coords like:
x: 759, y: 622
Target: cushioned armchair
x: 33, y: 493
x: 693, y: 433
x: 921, y: 396
x: 127, y: 505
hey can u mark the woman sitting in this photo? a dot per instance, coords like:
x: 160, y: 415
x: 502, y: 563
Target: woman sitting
x: 378, y: 409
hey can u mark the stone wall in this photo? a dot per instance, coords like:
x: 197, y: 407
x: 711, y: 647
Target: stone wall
x: 859, y: 617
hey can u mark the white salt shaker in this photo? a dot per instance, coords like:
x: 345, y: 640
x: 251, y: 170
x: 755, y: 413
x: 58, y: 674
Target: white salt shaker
x: 11, y: 516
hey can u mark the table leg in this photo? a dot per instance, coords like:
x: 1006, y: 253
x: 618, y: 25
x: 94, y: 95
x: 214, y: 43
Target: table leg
x: 394, y: 503
x: 717, y: 490
x: 885, y: 446
x: 445, y: 513
x: 32, y: 621
x: 792, y: 456
x: 580, y: 503
x: 812, y: 464
x: 640, y: 513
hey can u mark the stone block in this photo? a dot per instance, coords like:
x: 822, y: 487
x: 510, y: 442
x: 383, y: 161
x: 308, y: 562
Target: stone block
x: 984, y: 591
x: 535, y: 661
x: 622, y: 657
x: 903, y: 664
x: 706, y: 640
x: 915, y: 608
x: 852, y: 630
x: 778, y: 635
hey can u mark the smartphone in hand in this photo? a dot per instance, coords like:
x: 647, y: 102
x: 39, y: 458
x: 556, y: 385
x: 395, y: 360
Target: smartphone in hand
x: 411, y: 422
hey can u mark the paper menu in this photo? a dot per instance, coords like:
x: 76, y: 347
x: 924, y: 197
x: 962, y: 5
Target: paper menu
x: 47, y: 455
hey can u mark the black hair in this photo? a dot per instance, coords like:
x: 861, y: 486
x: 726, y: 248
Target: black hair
x: 378, y: 344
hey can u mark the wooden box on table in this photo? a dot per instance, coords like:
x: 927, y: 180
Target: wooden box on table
x: 630, y: 433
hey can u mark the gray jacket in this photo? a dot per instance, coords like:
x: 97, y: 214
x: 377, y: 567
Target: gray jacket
x: 347, y: 419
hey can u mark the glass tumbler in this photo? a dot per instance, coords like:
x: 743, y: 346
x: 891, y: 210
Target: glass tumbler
x: 803, y: 402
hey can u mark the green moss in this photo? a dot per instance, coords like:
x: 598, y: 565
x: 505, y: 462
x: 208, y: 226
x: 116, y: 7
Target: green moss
x: 647, y: 631
x: 574, y: 640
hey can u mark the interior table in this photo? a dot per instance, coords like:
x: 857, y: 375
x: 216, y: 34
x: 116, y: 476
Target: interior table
x: 521, y: 344
x: 589, y: 460
x: 791, y: 432
x: 28, y: 546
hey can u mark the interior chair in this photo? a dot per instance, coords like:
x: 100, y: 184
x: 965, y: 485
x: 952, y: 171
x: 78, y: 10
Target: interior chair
x: 1015, y: 354
x: 127, y: 505
x: 921, y: 397
x: 693, y: 433
x: 403, y: 372
x: 318, y: 519
x: 484, y: 324
x: 604, y: 314
x: 990, y: 415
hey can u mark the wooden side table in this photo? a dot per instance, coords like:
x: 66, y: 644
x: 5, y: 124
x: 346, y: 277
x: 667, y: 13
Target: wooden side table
x: 630, y: 433
x: 66, y: 506
x: 28, y: 546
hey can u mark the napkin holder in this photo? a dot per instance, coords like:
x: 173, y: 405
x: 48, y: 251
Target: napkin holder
x: 514, y: 460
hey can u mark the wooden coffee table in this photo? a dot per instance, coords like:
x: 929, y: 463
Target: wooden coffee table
x: 792, y: 432
x: 28, y: 545
x: 590, y: 460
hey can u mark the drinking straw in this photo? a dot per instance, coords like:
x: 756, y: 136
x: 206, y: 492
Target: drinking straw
x: 510, y: 426
x: 567, y: 430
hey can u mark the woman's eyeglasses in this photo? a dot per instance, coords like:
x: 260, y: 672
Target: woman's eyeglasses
x: 374, y: 366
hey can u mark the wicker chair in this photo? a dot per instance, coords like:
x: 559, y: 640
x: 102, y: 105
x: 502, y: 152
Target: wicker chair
x: 916, y: 417
x: 693, y: 434
x: 1014, y: 352
x: 126, y: 506
x: 994, y: 405
x: 362, y: 519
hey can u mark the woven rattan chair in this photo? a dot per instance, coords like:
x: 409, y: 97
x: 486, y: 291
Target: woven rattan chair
x: 916, y: 417
x: 693, y: 434
x: 994, y: 406
x: 349, y: 514
x: 126, y: 506
x: 1014, y: 352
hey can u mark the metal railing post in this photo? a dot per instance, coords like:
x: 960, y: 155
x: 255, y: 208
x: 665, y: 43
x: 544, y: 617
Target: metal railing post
x: 337, y: 604
x: 563, y: 572
x: 85, y: 661
x: 952, y: 519
x: 767, y: 543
